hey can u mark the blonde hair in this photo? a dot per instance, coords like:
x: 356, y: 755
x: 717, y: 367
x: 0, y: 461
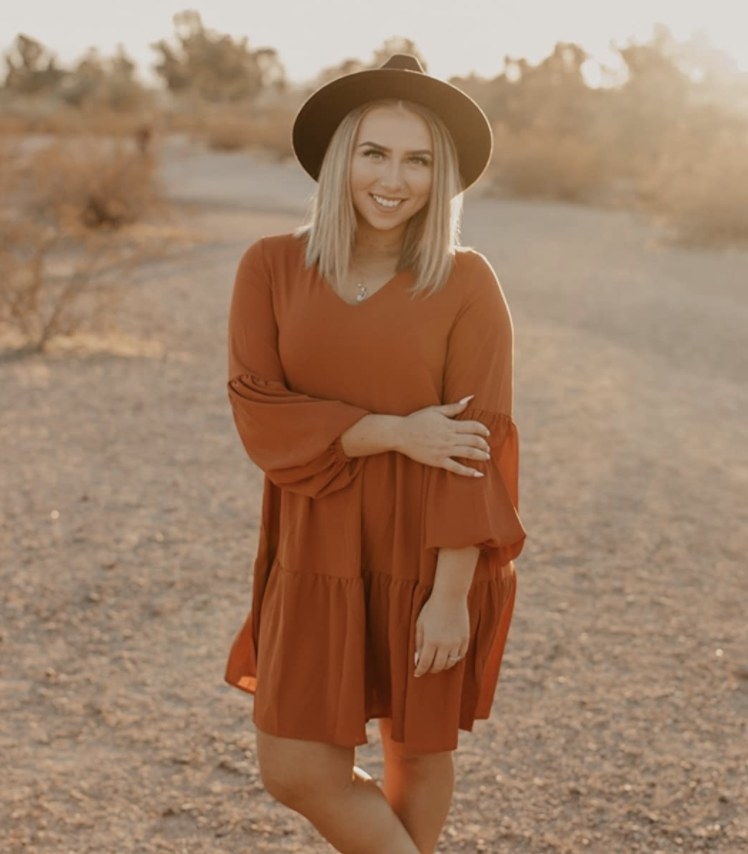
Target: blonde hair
x: 431, y: 235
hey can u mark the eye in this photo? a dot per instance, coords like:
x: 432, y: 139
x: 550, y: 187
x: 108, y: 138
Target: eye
x: 373, y: 153
x: 421, y: 160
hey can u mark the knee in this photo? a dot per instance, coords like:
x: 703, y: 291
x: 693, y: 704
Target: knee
x: 421, y: 765
x: 284, y: 783
x: 295, y: 786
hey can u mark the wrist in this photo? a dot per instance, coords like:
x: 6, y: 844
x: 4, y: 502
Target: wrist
x: 372, y: 434
x: 394, y: 428
x: 452, y: 585
x: 455, y: 569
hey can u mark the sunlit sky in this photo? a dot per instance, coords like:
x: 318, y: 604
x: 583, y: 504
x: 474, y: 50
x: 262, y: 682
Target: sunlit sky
x: 455, y: 36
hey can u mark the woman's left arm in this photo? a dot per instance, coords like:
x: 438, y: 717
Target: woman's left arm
x: 467, y: 515
x: 480, y: 512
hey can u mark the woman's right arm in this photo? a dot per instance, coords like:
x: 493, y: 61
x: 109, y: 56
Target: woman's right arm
x: 428, y: 435
x: 294, y: 438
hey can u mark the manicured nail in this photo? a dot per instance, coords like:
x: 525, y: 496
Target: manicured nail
x: 478, y: 474
x: 466, y: 399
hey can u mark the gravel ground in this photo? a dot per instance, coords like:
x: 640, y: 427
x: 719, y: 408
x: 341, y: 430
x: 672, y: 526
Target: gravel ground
x: 129, y: 524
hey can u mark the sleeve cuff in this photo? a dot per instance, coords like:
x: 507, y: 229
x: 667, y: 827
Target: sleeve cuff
x: 462, y: 511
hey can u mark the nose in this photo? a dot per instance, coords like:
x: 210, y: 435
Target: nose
x: 391, y: 177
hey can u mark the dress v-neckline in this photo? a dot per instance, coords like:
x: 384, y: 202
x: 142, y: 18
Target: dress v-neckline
x: 358, y: 303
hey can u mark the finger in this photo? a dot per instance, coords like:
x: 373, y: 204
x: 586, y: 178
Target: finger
x: 425, y: 659
x: 440, y: 662
x: 472, y: 440
x: 452, y: 660
x: 459, y: 404
x: 471, y: 453
x: 475, y: 427
x: 451, y: 465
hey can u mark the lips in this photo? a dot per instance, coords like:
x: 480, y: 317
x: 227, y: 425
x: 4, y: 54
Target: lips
x: 385, y: 204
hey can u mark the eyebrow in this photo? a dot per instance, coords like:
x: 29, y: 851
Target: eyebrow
x: 384, y: 148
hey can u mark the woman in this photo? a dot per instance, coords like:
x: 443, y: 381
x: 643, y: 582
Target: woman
x: 370, y: 376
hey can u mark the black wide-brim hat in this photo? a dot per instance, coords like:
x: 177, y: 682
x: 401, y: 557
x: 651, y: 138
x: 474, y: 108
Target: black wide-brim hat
x: 402, y: 78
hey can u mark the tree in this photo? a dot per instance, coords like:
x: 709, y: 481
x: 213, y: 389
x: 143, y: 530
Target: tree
x: 213, y: 66
x: 551, y: 96
x: 102, y: 81
x: 397, y: 44
x: 31, y: 68
x: 394, y: 44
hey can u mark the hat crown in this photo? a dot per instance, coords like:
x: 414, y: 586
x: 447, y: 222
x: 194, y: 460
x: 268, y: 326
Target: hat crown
x: 404, y: 62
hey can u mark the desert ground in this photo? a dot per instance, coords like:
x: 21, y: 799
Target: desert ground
x: 129, y: 524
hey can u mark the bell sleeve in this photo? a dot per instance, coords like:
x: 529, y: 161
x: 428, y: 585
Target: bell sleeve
x: 292, y: 437
x: 483, y: 511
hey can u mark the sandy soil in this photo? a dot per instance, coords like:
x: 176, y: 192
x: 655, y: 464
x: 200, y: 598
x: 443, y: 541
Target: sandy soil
x: 129, y: 523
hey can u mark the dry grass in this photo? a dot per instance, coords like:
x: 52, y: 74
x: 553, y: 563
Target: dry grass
x: 20, y: 116
x: 234, y: 127
x: 538, y: 164
x: 267, y: 130
x: 266, y: 133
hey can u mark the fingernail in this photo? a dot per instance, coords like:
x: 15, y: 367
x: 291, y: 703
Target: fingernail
x: 478, y: 474
x: 466, y: 399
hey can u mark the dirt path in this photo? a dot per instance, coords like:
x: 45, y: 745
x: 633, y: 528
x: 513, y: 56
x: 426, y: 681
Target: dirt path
x: 129, y: 525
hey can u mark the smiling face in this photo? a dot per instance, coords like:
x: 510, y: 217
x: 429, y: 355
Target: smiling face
x: 391, y: 169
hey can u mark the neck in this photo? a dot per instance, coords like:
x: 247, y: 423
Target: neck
x: 374, y: 245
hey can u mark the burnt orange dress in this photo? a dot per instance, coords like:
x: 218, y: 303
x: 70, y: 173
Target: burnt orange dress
x: 348, y: 546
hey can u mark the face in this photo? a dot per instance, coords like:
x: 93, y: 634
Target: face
x: 391, y: 168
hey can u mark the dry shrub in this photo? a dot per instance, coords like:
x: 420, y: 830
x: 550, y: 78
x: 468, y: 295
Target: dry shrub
x: 542, y: 164
x: 98, y: 183
x: 55, y: 284
x: 235, y: 127
x: 703, y: 199
x: 266, y: 131
x: 60, y: 274
x: 227, y: 135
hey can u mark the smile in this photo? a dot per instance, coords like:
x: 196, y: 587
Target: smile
x: 387, y: 204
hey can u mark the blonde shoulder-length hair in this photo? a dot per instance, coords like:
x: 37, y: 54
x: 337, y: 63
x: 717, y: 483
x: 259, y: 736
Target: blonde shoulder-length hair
x: 431, y: 235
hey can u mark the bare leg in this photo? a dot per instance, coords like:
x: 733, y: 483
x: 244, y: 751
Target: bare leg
x: 317, y: 780
x: 419, y: 787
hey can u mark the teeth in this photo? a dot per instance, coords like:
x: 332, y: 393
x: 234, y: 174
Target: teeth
x: 386, y: 203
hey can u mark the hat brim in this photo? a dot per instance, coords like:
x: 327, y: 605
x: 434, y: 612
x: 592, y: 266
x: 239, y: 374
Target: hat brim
x: 323, y: 111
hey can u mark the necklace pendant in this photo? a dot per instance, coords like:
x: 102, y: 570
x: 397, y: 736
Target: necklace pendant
x: 362, y: 292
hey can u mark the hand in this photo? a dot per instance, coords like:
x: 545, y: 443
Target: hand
x: 442, y: 630
x: 430, y: 436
